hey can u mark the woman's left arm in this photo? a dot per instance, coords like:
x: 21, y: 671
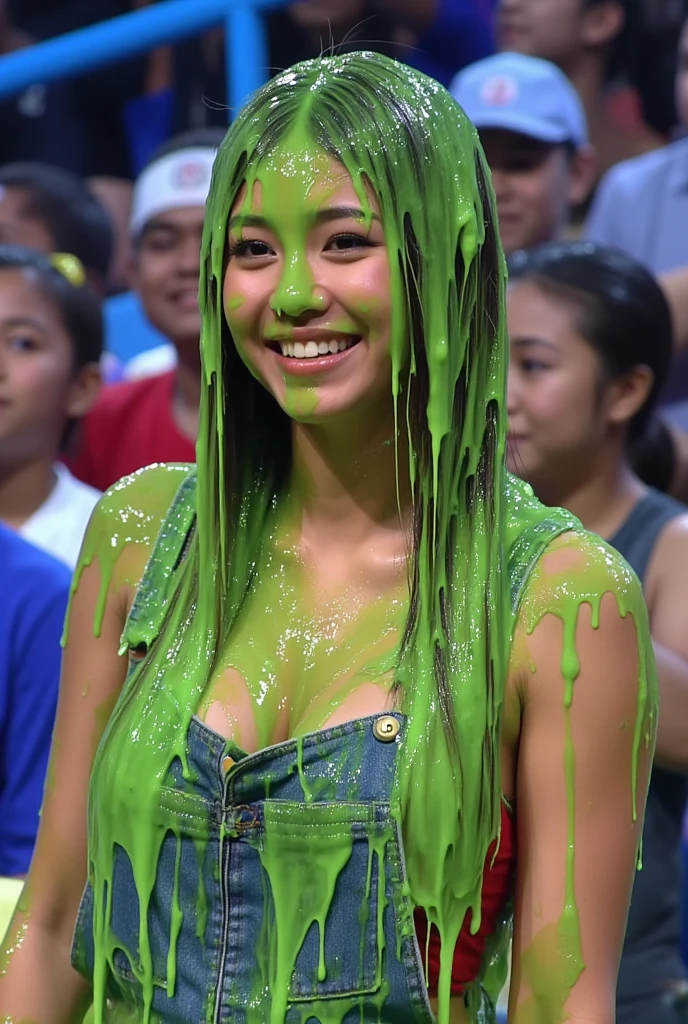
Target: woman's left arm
x: 585, y: 676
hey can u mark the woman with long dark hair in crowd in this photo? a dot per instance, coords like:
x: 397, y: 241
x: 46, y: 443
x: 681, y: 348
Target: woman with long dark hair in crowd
x: 363, y: 691
x: 590, y: 334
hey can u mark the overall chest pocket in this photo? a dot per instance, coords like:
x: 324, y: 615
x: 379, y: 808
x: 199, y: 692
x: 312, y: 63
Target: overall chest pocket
x: 326, y: 887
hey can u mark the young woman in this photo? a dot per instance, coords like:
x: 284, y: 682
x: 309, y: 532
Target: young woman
x: 590, y: 347
x: 51, y: 340
x: 361, y: 661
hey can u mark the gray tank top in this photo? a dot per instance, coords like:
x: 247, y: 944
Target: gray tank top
x: 651, y: 956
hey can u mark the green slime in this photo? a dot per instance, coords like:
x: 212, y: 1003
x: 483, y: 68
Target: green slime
x: 399, y: 133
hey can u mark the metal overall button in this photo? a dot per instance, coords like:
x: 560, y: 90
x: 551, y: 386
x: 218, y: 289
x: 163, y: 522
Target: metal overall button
x: 227, y: 763
x: 386, y: 728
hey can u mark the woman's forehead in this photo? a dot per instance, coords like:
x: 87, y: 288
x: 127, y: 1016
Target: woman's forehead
x: 305, y: 180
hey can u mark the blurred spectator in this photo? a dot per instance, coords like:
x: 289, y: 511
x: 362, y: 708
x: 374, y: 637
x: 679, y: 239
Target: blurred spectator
x: 437, y: 36
x: 34, y: 589
x: 50, y: 210
x: 39, y: 123
x: 90, y: 128
x: 593, y: 42
x: 156, y: 419
x: 51, y: 338
x: 532, y: 127
x: 590, y: 348
x: 642, y: 205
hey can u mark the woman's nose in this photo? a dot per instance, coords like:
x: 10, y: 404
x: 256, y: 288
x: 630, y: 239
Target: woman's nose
x: 297, y: 292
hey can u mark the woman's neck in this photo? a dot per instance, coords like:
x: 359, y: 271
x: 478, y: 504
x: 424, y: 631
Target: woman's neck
x: 348, y: 481
x: 601, y: 500
x: 24, y: 488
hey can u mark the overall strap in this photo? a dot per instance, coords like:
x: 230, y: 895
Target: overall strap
x: 147, y: 613
x: 531, y: 527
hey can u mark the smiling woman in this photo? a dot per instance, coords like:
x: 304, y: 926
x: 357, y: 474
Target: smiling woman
x: 362, y: 660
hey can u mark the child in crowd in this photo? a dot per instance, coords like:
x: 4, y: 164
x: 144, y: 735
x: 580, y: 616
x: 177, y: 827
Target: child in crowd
x: 533, y: 130
x: 51, y: 339
x: 34, y: 589
x: 50, y: 210
x: 155, y: 419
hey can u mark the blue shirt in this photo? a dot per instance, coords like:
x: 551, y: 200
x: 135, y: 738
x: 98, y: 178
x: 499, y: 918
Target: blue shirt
x: 461, y: 33
x: 127, y: 331
x: 641, y: 207
x: 34, y: 588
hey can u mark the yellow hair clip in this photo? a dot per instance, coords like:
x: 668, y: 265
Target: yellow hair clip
x: 71, y: 268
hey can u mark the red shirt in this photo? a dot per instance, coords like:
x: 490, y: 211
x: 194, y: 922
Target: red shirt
x: 498, y: 887
x: 129, y: 427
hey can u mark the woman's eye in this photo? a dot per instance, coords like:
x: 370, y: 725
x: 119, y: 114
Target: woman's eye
x: 251, y: 248
x: 22, y: 343
x: 532, y: 366
x: 346, y: 242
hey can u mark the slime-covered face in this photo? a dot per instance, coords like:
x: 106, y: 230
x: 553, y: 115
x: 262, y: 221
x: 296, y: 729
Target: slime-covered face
x: 307, y: 286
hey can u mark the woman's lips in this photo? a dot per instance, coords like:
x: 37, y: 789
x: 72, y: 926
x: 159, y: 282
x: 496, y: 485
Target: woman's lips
x: 308, y: 351
x: 310, y: 365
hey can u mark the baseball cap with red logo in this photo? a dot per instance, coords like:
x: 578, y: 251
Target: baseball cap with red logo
x: 521, y: 94
x: 176, y: 180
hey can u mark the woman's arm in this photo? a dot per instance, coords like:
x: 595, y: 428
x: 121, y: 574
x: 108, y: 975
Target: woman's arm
x: 667, y: 597
x: 37, y: 982
x: 582, y: 778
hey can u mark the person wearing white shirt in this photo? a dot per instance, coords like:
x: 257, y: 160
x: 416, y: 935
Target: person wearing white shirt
x: 51, y: 340
x: 59, y: 524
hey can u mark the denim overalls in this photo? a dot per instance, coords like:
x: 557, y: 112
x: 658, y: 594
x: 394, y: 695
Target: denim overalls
x: 324, y: 798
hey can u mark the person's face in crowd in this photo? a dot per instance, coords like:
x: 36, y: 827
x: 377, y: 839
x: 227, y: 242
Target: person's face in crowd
x: 40, y: 390
x: 682, y: 77
x: 165, y: 273
x: 557, y: 30
x: 562, y: 407
x: 536, y: 184
x: 17, y: 228
x: 325, y: 14
x: 307, y: 288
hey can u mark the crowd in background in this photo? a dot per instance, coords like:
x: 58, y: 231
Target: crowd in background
x: 582, y: 109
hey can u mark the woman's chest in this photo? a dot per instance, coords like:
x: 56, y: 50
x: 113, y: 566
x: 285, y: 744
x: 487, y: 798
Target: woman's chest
x: 305, y: 652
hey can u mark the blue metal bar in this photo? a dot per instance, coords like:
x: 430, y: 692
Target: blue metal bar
x: 131, y: 34
x: 247, y: 53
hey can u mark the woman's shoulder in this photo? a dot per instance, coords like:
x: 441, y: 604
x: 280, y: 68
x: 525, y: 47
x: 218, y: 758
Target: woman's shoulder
x: 129, y: 516
x: 559, y: 565
x: 143, y: 498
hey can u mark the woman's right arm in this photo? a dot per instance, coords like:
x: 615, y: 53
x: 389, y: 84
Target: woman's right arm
x: 37, y: 982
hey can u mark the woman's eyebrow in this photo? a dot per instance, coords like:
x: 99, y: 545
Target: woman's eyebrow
x: 328, y: 213
x: 525, y: 341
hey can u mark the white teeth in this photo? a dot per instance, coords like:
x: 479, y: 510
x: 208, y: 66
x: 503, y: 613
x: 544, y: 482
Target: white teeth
x: 297, y: 350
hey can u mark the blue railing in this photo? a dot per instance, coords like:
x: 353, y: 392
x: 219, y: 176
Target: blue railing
x: 132, y: 34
